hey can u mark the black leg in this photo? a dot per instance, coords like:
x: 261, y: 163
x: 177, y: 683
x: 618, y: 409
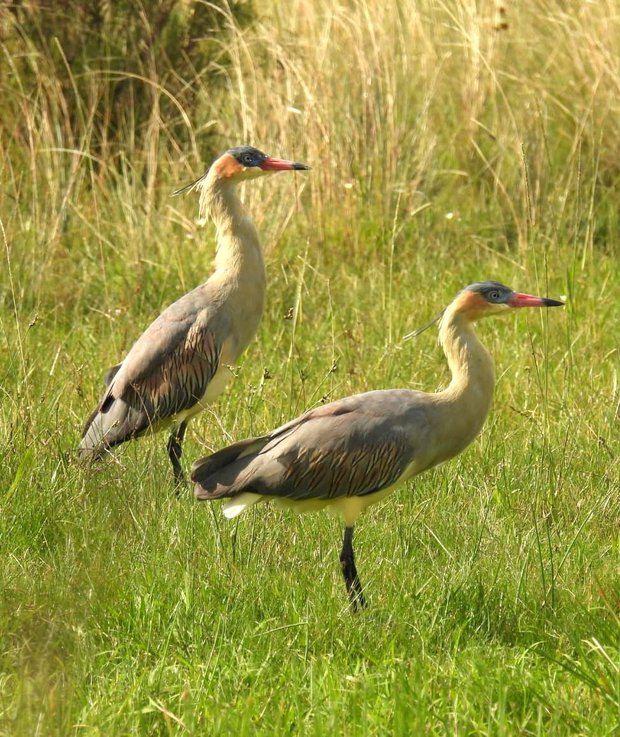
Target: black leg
x: 175, y: 452
x: 349, y: 571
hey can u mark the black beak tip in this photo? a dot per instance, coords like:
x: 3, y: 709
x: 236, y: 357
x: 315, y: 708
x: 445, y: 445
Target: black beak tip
x: 301, y: 167
x: 553, y: 302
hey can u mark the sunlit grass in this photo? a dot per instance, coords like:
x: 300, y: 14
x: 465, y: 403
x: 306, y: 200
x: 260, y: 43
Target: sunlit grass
x: 445, y: 150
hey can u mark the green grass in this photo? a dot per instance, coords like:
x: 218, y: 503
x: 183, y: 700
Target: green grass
x: 492, y: 581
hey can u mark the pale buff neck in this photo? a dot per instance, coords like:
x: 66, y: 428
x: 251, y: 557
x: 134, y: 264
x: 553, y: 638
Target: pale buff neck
x: 238, y: 246
x: 471, y: 366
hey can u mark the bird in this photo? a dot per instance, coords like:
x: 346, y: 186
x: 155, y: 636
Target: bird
x: 182, y: 361
x: 353, y: 452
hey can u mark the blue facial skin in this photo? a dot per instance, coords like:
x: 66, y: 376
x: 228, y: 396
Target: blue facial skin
x: 247, y: 155
x: 492, y: 291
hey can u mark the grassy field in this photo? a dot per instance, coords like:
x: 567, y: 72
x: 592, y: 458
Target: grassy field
x: 450, y: 142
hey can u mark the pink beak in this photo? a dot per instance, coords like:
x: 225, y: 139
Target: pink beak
x: 519, y: 299
x: 271, y: 164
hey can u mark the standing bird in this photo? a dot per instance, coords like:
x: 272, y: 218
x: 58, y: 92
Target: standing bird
x: 181, y: 362
x: 351, y: 453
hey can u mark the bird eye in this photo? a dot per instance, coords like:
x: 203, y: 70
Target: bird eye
x: 494, y: 295
x: 247, y: 159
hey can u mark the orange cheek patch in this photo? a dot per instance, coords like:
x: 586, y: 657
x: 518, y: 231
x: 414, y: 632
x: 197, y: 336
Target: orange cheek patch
x: 472, y: 304
x: 227, y: 166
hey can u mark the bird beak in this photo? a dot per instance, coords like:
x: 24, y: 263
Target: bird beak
x: 271, y: 164
x: 529, y: 300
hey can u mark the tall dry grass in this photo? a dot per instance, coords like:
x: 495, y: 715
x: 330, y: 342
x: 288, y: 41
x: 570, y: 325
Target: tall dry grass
x: 398, y: 100
x: 427, y: 124
x: 450, y: 141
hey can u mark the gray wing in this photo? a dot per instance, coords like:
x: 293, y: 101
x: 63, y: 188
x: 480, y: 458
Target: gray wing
x: 171, y: 364
x: 175, y: 379
x: 167, y: 370
x: 352, y: 447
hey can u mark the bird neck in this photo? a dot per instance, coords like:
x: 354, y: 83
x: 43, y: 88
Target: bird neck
x: 238, y: 246
x: 471, y: 366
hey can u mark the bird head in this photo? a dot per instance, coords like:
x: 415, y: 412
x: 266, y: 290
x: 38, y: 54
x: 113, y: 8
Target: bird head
x: 490, y: 298
x: 239, y: 164
x: 486, y: 298
x: 245, y: 162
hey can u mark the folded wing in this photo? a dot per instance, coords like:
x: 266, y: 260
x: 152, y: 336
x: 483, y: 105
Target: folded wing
x: 168, y: 370
x: 351, y: 447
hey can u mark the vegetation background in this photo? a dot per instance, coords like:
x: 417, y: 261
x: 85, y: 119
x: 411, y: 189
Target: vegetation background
x: 450, y: 141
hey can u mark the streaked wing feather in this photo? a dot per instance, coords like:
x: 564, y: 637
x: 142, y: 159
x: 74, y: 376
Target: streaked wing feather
x: 356, y: 471
x: 351, y: 447
x: 180, y: 379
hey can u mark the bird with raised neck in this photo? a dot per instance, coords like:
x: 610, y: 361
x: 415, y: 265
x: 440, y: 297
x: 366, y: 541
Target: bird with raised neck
x: 353, y: 452
x: 180, y: 364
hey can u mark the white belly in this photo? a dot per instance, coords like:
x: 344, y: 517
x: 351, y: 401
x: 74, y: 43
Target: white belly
x: 348, y: 508
x: 215, y: 387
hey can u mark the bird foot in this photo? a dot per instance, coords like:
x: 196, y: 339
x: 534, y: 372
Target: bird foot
x: 180, y: 482
x: 358, y: 601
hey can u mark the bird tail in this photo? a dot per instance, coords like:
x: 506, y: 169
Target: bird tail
x: 218, y: 474
x: 112, y: 423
